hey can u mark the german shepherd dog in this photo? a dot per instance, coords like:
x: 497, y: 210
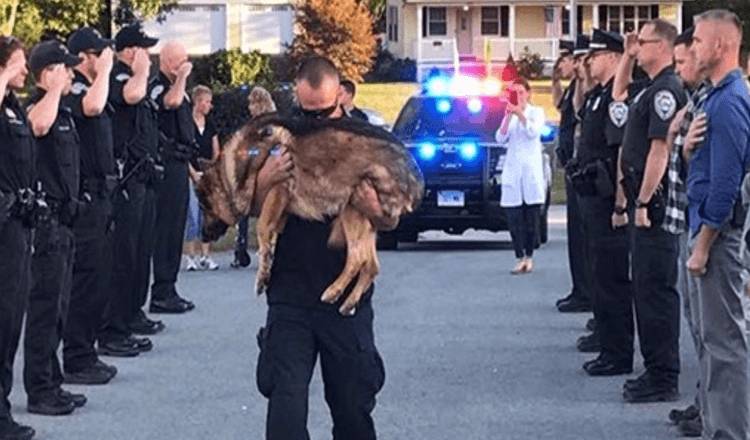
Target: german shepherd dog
x: 332, y: 158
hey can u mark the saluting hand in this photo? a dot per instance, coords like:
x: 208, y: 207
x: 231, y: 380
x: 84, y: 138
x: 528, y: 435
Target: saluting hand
x: 103, y: 64
x: 631, y: 44
x: 141, y: 62
x: 184, y: 70
x: 55, y: 79
x: 11, y: 70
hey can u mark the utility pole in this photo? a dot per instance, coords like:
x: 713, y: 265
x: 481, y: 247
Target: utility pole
x: 573, y: 16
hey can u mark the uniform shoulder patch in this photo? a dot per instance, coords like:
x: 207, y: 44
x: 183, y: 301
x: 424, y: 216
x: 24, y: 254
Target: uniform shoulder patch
x: 665, y: 104
x: 618, y: 113
x: 10, y: 113
x: 78, y: 88
x: 122, y: 77
x: 156, y: 91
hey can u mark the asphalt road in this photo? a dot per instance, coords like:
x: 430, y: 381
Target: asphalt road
x: 471, y: 352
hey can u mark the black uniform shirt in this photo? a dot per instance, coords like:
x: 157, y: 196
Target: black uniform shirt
x: 133, y: 126
x: 602, y: 126
x: 304, y: 266
x: 17, y: 149
x: 651, y: 112
x: 359, y: 114
x: 568, y: 120
x: 97, y: 157
x: 58, y: 158
x: 177, y: 124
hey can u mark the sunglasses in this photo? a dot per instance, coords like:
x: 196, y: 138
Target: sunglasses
x: 320, y: 113
x: 643, y: 42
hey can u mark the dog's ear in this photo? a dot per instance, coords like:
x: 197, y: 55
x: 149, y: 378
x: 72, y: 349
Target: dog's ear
x: 260, y: 102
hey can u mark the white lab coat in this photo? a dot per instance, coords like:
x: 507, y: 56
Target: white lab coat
x: 522, y: 179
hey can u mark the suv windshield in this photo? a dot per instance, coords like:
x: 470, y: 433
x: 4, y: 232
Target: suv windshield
x: 430, y: 116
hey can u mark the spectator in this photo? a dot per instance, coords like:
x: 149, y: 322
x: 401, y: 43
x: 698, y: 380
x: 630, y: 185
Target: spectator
x: 208, y: 140
x: 347, y: 91
x: 523, y: 175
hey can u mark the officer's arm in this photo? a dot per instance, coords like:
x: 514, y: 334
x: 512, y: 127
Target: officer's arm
x: 135, y: 88
x: 583, y: 85
x: 623, y: 78
x: 557, y: 91
x: 176, y: 93
x: 656, y: 165
x: 620, y: 199
x: 275, y: 170
x: 43, y: 114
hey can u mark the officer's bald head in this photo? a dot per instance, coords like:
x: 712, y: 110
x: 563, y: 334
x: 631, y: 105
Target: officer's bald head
x: 171, y: 56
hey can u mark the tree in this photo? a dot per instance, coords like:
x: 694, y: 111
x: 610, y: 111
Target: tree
x: 338, y: 29
x: 739, y: 7
x: 31, y: 19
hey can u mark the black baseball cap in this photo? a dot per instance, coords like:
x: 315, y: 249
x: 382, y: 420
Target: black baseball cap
x: 608, y: 41
x: 87, y: 38
x: 132, y: 35
x: 566, y: 48
x: 582, y: 45
x: 51, y: 52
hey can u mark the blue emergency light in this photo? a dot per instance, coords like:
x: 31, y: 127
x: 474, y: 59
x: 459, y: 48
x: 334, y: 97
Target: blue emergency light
x: 427, y: 151
x: 547, y: 134
x: 443, y: 106
x: 468, y: 151
x: 474, y: 105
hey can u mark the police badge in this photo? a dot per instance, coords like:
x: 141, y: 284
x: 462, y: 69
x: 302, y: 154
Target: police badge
x: 618, y: 113
x: 665, y: 104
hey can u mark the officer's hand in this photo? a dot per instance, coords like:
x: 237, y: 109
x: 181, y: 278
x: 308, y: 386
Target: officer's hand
x: 184, y: 70
x: 641, y: 218
x: 619, y: 220
x: 11, y: 70
x: 141, y: 62
x: 103, y: 64
x: 277, y: 168
x: 674, y: 126
x: 695, y: 134
x: 697, y: 264
x: 55, y: 79
x: 631, y: 44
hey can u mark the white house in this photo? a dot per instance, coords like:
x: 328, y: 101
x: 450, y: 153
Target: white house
x: 205, y: 26
x: 436, y: 32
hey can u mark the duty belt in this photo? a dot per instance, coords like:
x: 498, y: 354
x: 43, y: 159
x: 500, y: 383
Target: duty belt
x: 103, y: 187
x: 64, y: 211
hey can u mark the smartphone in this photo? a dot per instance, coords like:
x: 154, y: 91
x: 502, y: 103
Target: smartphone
x: 513, y: 98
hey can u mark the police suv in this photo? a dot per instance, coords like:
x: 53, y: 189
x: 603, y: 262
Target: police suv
x: 450, y: 130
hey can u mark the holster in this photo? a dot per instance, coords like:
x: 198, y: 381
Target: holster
x: 6, y: 205
x: 657, y: 206
x: 171, y: 149
x: 605, y: 180
x: 583, y: 179
x: 65, y: 211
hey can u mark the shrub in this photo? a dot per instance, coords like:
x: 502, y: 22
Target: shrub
x: 388, y: 68
x: 530, y: 65
x: 225, y: 69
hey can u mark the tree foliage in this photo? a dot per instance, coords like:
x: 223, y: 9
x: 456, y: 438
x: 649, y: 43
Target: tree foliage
x: 31, y: 19
x: 740, y: 7
x: 338, y: 29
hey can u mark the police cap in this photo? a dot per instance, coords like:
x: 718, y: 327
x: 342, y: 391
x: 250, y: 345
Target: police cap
x: 51, y: 52
x: 132, y: 35
x: 566, y: 48
x: 87, y: 38
x: 582, y: 45
x: 608, y: 41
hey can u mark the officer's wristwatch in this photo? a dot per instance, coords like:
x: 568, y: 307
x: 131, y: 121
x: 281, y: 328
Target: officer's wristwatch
x: 620, y: 210
x: 640, y: 204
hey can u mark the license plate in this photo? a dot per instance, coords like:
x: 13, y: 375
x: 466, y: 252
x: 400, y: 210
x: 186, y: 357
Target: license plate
x: 450, y: 198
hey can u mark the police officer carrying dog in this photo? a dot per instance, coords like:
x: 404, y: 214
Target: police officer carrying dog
x: 135, y: 141
x: 177, y: 146
x: 601, y: 136
x: 92, y: 228
x: 52, y: 262
x: 17, y: 175
x: 655, y: 252
x: 300, y: 328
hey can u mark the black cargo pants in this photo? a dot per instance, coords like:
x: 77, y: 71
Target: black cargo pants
x: 131, y: 268
x: 91, y: 283
x: 172, y: 197
x: 352, y: 369
x: 577, y: 249
x: 49, y: 298
x: 15, y: 271
x: 609, y: 267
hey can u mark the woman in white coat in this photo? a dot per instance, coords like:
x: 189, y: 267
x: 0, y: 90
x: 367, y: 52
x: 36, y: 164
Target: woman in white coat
x: 522, y: 179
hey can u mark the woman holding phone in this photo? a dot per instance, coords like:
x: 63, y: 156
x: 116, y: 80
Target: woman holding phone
x: 522, y: 179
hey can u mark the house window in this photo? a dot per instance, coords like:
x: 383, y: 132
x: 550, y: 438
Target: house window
x: 495, y: 21
x: 566, y: 20
x: 619, y: 18
x: 437, y: 23
x: 392, y: 23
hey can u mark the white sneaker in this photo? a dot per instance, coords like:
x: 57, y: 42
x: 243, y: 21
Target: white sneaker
x: 192, y: 264
x: 206, y: 263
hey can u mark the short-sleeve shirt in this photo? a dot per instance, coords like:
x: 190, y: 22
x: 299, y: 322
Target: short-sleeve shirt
x: 18, y: 149
x: 176, y: 124
x: 59, y: 164
x: 568, y: 120
x: 602, y: 126
x: 651, y: 113
x: 134, y: 127
x: 97, y: 157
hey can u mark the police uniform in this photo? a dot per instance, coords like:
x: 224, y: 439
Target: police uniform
x: 654, y: 251
x: 177, y: 146
x: 58, y: 166
x: 601, y: 135
x: 17, y: 175
x: 579, y: 297
x: 135, y: 142
x: 300, y: 327
x: 93, y: 226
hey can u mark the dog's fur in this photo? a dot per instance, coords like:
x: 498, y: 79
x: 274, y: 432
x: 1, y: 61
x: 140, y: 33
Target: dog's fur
x: 332, y: 158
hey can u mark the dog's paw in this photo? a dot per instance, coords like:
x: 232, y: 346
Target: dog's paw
x: 331, y: 295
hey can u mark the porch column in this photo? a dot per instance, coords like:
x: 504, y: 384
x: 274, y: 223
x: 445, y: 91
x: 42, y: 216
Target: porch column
x: 679, y: 17
x: 512, y: 30
x: 418, y: 52
x: 595, y: 16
